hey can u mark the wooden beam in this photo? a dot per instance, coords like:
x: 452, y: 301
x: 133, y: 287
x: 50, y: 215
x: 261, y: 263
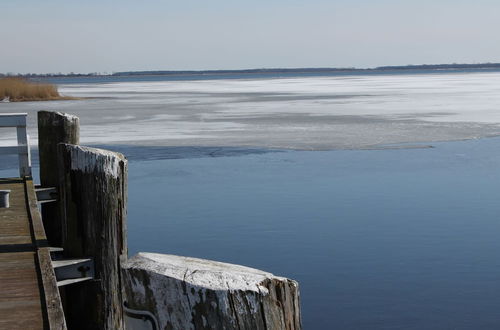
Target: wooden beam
x: 55, y: 314
x: 38, y: 231
x: 54, y: 311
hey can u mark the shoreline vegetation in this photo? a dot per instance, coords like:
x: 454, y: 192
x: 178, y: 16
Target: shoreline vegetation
x: 17, y: 89
x: 381, y: 69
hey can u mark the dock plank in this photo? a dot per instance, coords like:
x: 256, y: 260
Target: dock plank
x: 29, y: 298
x: 14, y: 223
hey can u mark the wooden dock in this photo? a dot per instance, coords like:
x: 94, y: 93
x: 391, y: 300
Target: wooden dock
x: 29, y: 298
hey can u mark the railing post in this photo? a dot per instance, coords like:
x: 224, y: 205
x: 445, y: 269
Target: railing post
x: 25, y: 154
x: 22, y: 148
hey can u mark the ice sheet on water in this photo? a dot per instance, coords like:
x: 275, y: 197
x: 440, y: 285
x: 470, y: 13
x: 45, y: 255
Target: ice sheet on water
x: 297, y: 113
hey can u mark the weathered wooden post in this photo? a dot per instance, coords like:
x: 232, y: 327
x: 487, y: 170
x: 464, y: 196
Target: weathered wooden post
x: 93, y: 194
x: 179, y: 293
x: 53, y: 128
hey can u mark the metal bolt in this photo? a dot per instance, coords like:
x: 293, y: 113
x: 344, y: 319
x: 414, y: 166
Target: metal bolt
x: 83, y: 270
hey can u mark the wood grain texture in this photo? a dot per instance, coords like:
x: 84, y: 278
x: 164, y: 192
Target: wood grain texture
x: 38, y: 231
x: 93, y: 194
x: 189, y: 293
x: 51, y: 298
x: 53, y: 304
x: 14, y: 223
x: 54, y: 128
x: 20, y: 301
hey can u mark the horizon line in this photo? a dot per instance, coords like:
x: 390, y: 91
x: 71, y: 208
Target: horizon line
x: 266, y: 70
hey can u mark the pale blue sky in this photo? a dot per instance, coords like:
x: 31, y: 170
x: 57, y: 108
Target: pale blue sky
x: 89, y: 36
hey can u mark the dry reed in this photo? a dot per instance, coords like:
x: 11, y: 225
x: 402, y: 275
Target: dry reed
x: 16, y: 89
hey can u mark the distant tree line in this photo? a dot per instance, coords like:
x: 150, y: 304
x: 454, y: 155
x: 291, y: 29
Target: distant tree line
x: 453, y: 66
x: 191, y: 72
x: 314, y: 70
x: 441, y: 66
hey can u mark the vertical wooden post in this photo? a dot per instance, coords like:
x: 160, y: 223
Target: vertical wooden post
x: 53, y: 128
x: 93, y: 193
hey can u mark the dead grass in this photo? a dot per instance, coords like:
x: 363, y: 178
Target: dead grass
x: 19, y: 89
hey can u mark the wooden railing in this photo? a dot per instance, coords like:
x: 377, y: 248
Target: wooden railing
x: 18, y: 120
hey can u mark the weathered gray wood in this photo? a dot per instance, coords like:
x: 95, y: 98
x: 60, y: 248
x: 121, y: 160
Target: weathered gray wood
x: 53, y: 304
x: 55, y: 314
x: 54, y: 128
x: 188, y: 293
x: 93, y: 194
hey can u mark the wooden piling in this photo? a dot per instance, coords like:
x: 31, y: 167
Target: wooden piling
x: 53, y: 128
x: 93, y: 194
x: 188, y: 293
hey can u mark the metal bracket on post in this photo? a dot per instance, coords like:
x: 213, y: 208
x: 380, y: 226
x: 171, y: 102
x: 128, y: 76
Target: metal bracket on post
x: 46, y: 194
x: 56, y: 253
x: 69, y: 271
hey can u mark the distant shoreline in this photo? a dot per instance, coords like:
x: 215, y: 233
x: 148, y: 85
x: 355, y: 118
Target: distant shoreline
x: 433, y: 67
x: 382, y: 69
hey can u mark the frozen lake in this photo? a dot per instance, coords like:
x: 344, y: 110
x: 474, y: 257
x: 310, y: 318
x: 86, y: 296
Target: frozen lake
x: 305, y: 113
x: 378, y: 239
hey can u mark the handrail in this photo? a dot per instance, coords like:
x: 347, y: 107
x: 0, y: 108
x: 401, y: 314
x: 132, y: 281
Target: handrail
x: 18, y: 120
x: 147, y: 318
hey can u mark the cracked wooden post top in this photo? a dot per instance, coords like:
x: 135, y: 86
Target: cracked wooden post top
x: 190, y: 293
